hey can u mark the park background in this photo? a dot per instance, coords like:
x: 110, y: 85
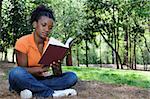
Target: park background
x: 107, y: 33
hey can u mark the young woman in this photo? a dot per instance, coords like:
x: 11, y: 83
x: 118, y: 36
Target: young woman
x: 29, y: 48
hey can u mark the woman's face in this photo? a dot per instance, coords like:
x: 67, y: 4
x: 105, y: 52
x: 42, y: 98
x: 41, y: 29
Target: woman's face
x: 43, y: 26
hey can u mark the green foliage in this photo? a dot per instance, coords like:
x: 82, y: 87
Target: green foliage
x: 15, y: 22
x: 113, y: 76
x: 84, y: 20
x: 115, y: 20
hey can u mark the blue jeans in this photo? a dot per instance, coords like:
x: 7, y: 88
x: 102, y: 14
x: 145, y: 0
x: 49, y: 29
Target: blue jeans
x: 20, y: 79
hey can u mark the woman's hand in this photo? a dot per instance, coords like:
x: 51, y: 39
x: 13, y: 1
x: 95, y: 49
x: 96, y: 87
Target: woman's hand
x: 55, y: 64
x: 37, y: 71
x: 56, y: 68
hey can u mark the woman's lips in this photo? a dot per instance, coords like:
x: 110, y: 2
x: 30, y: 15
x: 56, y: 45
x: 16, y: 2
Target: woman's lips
x: 44, y: 34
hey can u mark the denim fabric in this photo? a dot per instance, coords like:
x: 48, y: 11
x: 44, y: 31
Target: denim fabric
x: 20, y: 79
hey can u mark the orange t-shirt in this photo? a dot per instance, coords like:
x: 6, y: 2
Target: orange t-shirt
x: 26, y: 45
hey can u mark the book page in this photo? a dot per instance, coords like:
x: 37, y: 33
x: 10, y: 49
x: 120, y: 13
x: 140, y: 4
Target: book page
x: 68, y: 42
x: 56, y: 42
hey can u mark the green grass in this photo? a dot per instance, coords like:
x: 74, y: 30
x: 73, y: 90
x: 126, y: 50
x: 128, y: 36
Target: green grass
x: 113, y: 76
x: 109, y: 75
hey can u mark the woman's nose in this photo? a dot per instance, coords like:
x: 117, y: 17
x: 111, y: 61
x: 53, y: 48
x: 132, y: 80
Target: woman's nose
x: 46, y: 29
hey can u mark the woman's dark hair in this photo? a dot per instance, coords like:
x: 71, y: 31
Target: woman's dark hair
x: 41, y: 10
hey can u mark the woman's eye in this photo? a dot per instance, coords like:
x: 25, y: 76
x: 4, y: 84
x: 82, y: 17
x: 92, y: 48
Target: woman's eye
x: 43, y: 25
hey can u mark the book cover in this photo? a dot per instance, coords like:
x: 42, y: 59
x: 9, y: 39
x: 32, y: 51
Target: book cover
x: 55, y: 51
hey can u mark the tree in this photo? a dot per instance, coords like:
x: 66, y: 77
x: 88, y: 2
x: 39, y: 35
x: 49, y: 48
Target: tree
x: 19, y: 22
x: 68, y: 17
x: 96, y: 11
x: 0, y: 14
x: 117, y: 20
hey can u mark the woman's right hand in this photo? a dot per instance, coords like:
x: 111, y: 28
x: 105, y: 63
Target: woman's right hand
x: 37, y: 71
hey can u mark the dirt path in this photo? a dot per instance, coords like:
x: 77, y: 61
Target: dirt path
x: 85, y: 89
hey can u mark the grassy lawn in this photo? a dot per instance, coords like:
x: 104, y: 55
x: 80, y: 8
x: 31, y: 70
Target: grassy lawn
x: 109, y: 75
x: 113, y: 76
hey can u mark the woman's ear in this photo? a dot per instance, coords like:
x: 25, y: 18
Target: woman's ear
x: 34, y: 24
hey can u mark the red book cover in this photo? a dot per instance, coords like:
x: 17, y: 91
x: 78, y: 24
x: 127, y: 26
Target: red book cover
x: 55, y: 51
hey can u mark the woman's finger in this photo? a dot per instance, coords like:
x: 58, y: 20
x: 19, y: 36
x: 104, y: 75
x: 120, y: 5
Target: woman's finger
x: 59, y: 61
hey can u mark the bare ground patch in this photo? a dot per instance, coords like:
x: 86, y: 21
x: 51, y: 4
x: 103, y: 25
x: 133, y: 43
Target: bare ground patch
x: 85, y: 89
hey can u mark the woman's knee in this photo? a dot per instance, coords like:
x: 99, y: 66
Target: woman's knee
x: 16, y: 73
x: 72, y: 77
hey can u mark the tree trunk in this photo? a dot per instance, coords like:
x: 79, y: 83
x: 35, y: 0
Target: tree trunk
x: 78, y: 63
x: 117, y: 40
x: 135, y: 57
x: 86, y: 43
x: 134, y: 53
x: 0, y: 16
x: 113, y: 50
x: 113, y: 37
x: 5, y: 58
x: 130, y: 44
x: 125, y: 62
x: 100, y: 52
x: 69, y: 58
x: 13, y: 56
x: 116, y: 56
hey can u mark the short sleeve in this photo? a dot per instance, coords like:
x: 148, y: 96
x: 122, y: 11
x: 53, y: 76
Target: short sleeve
x: 21, y: 45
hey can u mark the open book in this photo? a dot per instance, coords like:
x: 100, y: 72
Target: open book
x: 55, y: 51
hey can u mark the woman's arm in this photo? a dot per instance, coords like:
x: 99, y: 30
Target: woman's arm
x: 22, y: 60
